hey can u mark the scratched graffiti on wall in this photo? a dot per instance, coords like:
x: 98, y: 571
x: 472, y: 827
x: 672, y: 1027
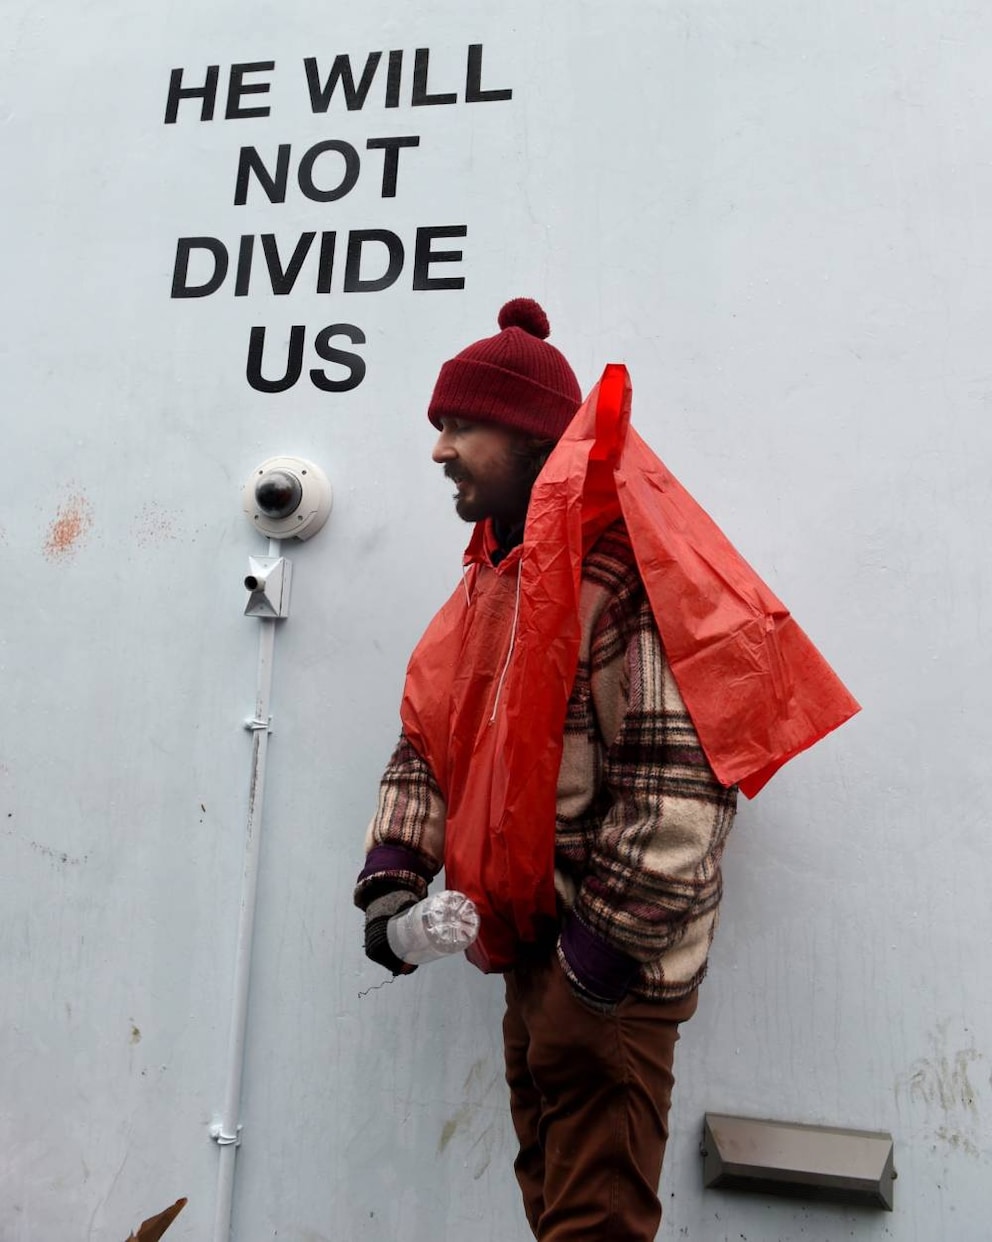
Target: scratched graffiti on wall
x: 943, y: 1090
x: 478, y: 1124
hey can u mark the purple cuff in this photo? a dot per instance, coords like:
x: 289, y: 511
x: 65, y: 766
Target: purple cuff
x: 601, y: 970
x: 394, y: 858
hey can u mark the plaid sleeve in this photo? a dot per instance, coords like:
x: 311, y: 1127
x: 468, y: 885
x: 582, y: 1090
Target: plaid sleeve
x: 404, y: 844
x: 652, y: 878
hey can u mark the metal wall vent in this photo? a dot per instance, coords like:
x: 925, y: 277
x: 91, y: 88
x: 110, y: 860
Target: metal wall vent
x: 800, y: 1161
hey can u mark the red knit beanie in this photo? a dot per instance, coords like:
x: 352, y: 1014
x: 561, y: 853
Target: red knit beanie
x: 513, y: 378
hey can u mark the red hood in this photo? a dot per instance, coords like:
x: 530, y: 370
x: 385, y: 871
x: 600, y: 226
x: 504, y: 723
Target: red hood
x: 757, y: 689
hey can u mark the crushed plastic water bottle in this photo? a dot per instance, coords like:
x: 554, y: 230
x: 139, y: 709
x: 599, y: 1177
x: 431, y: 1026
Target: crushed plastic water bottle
x: 443, y: 923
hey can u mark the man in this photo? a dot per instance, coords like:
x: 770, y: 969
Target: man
x: 603, y: 948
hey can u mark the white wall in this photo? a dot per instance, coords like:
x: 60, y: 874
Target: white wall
x: 777, y: 216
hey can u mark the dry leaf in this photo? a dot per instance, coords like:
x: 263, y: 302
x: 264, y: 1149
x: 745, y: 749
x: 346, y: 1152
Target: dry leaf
x: 151, y: 1230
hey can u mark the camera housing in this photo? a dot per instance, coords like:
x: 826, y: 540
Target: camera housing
x: 287, y: 498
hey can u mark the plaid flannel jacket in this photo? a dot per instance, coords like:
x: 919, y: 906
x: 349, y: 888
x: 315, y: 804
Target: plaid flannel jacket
x: 642, y: 820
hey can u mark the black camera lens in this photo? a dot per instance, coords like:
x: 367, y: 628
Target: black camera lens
x: 278, y: 493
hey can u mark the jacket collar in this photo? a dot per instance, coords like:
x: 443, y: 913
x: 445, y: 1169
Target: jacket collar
x: 485, y: 547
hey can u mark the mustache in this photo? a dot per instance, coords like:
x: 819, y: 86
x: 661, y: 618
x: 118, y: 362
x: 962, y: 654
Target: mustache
x: 453, y: 473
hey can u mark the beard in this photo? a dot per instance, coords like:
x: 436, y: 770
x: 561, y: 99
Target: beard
x: 502, y: 495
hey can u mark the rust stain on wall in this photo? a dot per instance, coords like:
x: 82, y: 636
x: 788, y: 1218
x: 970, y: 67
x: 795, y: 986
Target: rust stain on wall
x: 153, y: 525
x: 69, y: 526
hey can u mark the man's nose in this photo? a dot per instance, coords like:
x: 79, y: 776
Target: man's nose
x: 444, y: 449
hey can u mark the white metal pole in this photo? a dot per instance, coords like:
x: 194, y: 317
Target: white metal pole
x: 228, y: 1128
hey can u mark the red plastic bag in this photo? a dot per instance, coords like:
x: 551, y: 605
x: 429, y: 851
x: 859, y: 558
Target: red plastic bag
x: 488, y: 685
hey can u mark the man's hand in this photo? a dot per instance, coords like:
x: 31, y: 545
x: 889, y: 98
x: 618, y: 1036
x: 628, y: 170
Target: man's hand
x: 598, y: 974
x: 377, y: 915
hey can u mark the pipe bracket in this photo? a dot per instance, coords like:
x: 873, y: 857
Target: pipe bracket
x: 225, y: 1140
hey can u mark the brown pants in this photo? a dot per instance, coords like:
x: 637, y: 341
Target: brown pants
x: 589, y: 1096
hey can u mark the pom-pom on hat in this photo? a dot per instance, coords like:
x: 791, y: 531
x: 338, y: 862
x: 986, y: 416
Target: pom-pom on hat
x: 513, y: 378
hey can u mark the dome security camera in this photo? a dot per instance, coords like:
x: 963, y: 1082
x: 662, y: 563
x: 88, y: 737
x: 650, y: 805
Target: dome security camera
x: 287, y: 498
